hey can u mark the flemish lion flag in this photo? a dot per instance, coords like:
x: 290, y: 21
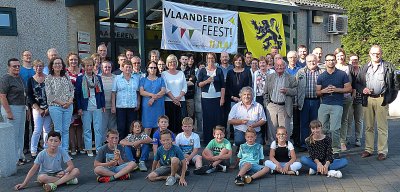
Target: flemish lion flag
x: 262, y: 32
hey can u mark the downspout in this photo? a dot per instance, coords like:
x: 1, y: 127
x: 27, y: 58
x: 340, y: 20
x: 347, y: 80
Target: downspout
x: 309, y: 26
x: 142, y: 29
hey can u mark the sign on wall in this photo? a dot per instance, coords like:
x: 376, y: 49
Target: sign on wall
x: 83, y: 44
x: 200, y: 29
x: 262, y: 32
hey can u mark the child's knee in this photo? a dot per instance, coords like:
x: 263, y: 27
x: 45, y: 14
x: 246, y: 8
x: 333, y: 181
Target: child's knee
x: 41, y: 178
x: 175, y: 160
x: 132, y: 165
x: 75, y: 172
x: 152, y: 176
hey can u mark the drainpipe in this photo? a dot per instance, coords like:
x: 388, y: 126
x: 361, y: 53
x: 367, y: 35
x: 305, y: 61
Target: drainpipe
x: 142, y: 29
x: 309, y: 26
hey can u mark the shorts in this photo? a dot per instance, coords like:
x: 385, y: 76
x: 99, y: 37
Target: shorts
x: 116, y: 169
x: 165, y: 170
x: 254, y: 167
x: 51, y: 174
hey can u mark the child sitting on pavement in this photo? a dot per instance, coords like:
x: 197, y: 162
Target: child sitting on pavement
x: 163, y: 122
x: 111, y: 162
x: 250, y: 154
x: 48, y: 162
x: 321, y: 157
x: 217, y: 152
x: 168, y: 160
x: 136, y: 145
x: 189, y: 142
x: 282, y: 157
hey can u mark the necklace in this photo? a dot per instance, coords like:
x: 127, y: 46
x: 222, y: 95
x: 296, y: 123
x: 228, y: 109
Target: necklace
x: 237, y: 74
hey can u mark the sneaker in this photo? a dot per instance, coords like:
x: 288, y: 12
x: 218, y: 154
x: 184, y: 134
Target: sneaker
x: 358, y: 143
x: 90, y: 153
x: 247, y: 179
x: 73, y: 153
x: 142, y: 166
x: 73, y: 181
x: 201, y: 171
x: 311, y: 172
x: 20, y: 162
x: 82, y: 152
x: 104, y: 179
x: 170, y: 180
x: 293, y: 172
x: 334, y: 173
x: 221, y: 168
x: 125, y: 177
x: 272, y: 171
x: 210, y: 169
x: 239, y: 181
x: 49, y: 187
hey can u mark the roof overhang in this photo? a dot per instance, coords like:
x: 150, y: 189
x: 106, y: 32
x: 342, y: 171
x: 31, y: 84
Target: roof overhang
x: 277, y: 5
x: 71, y: 3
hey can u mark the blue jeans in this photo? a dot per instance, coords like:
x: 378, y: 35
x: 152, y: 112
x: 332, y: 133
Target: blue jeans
x: 239, y: 138
x: 87, y: 118
x: 62, y: 119
x: 331, y: 118
x: 335, y: 165
x: 308, y: 113
x: 125, y: 116
x: 131, y: 152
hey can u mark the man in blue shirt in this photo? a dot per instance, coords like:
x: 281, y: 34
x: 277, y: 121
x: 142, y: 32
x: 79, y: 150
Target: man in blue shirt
x: 331, y: 85
x: 302, y: 52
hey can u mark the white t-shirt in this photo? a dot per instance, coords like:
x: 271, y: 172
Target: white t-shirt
x: 174, y: 84
x: 187, y: 144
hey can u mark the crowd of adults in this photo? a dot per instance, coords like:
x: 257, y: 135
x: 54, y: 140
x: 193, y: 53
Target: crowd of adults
x: 261, y: 94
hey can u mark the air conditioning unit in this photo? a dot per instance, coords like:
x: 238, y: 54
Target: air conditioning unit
x: 337, y: 24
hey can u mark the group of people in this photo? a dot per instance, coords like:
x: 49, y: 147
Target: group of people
x: 255, y: 99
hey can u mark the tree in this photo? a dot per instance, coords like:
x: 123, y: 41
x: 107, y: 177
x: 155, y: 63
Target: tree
x: 372, y: 22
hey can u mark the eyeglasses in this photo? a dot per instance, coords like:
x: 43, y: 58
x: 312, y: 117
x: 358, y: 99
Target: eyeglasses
x: 152, y: 67
x: 15, y: 66
x: 57, y: 63
x: 160, y: 64
x: 39, y: 66
x: 107, y: 67
x: 375, y: 54
x: 281, y: 134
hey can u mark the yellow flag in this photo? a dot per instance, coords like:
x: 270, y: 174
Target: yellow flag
x: 262, y: 32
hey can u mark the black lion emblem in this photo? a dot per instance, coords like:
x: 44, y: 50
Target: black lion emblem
x: 265, y: 30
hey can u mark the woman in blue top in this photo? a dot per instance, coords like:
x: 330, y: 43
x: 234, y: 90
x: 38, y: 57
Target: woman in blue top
x: 152, y: 88
x: 124, y: 98
x: 89, y: 95
x: 212, y: 84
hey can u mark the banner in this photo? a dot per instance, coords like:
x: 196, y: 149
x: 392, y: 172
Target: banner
x: 262, y: 32
x: 199, y: 29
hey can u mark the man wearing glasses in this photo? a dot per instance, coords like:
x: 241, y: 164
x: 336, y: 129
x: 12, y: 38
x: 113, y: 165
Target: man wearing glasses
x: 331, y: 86
x: 379, y: 88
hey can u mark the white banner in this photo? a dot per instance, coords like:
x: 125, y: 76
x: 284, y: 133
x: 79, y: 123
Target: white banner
x: 199, y: 29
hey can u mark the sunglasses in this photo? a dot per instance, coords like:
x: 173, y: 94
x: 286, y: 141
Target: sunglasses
x: 152, y: 67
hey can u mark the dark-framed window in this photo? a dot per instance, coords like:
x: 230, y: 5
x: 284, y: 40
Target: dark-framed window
x: 8, y: 21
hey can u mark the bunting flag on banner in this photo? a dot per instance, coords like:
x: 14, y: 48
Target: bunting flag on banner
x: 209, y: 30
x: 262, y: 32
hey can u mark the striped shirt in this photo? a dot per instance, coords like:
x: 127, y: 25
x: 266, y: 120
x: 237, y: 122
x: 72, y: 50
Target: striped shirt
x: 311, y: 78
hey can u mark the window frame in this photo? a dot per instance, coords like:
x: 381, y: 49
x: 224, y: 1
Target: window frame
x: 12, y: 29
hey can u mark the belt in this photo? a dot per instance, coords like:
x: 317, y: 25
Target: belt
x: 376, y: 96
x: 283, y: 103
x: 313, y: 98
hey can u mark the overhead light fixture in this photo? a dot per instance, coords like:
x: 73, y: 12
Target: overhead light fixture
x: 104, y: 19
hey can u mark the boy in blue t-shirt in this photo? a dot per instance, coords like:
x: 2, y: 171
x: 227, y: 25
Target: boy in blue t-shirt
x: 48, y: 162
x: 163, y: 122
x: 250, y: 154
x: 170, y: 159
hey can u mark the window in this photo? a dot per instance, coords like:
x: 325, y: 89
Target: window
x: 8, y: 21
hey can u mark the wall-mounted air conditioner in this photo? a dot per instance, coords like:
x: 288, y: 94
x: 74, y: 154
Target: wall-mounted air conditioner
x: 337, y: 24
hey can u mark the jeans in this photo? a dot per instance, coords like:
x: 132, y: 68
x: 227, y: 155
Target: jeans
x: 239, y: 138
x: 18, y: 123
x: 357, y: 111
x: 41, y: 124
x: 125, y: 116
x: 295, y: 166
x: 130, y: 152
x: 330, y: 117
x: 87, y: 118
x: 347, y: 104
x: 62, y: 119
x: 335, y: 165
x: 308, y: 113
